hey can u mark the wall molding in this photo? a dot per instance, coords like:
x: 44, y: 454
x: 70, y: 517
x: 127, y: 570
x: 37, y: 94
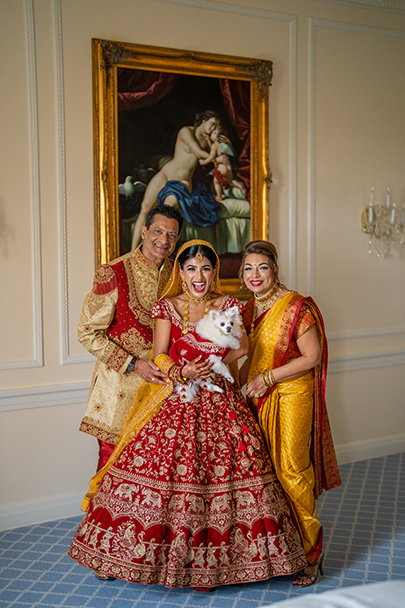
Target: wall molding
x: 232, y: 8
x: 78, y: 392
x: 371, y: 333
x: 395, y: 6
x: 292, y: 204
x: 59, y: 507
x: 371, y: 448
x: 39, y: 511
x: 292, y: 20
x: 66, y: 357
x: 37, y: 360
x: 355, y: 362
x: 311, y: 217
x: 44, y: 396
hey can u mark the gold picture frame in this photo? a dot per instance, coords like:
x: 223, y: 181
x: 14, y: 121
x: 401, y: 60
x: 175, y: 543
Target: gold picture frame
x: 117, y: 63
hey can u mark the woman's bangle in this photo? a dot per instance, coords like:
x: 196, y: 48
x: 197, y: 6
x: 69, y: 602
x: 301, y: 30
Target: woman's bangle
x: 268, y: 378
x: 176, y: 375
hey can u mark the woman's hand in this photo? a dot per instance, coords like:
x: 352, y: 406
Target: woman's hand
x: 197, y: 369
x: 256, y: 388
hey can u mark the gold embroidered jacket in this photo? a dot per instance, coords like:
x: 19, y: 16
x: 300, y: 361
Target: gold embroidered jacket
x: 115, y: 326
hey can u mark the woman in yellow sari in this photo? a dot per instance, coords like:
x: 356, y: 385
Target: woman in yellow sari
x: 285, y: 374
x: 189, y: 497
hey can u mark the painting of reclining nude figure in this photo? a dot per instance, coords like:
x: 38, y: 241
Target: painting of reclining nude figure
x: 189, y: 135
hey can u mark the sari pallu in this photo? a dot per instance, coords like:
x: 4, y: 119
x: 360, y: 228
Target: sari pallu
x: 293, y: 414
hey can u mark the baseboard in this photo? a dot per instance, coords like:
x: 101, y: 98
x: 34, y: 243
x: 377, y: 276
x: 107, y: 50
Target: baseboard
x: 36, y: 512
x: 372, y: 448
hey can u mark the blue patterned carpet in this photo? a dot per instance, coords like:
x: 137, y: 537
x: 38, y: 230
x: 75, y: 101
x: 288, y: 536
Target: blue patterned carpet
x: 364, y: 527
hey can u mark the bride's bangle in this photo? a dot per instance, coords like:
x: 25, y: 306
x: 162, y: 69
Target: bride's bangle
x: 268, y: 378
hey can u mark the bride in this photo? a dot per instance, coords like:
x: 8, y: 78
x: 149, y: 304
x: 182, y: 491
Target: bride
x: 189, y: 497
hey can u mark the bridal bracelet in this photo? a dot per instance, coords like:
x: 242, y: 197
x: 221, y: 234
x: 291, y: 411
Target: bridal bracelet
x: 168, y: 366
x: 175, y: 373
x: 268, y: 378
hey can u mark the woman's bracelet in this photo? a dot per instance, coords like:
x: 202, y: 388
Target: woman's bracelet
x: 168, y: 366
x: 175, y: 374
x: 268, y: 378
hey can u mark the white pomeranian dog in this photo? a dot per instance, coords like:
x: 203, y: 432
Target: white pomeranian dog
x: 223, y: 329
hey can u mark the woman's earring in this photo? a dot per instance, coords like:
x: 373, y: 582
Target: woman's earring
x: 183, y: 286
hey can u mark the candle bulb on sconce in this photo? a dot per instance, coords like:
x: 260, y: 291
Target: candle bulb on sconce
x: 370, y: 213
x: 384, y: 224
x: 394, y: 208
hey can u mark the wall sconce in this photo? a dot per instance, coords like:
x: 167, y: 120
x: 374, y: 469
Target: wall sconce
x: 385, y: 225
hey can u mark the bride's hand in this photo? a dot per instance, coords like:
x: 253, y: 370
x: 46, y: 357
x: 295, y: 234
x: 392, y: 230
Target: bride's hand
x: 197, y: 369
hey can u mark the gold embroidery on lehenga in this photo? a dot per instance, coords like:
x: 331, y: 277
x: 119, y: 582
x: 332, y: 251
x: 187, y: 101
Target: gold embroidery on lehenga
x: 188, y: 514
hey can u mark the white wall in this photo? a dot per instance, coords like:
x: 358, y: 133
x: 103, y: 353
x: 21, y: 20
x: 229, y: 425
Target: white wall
x: 337, y: 127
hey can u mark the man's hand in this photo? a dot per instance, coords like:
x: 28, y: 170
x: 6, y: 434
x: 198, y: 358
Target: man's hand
x: 149, y: 371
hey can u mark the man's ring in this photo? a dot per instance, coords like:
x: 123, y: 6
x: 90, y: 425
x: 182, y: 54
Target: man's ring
x: 256, y: 396
x: 153, y: 379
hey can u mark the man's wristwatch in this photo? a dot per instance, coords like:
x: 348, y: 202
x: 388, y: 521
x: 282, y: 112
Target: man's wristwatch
x: 131, y: 365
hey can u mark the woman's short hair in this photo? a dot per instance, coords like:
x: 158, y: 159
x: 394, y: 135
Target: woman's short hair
x: 261, y: 248
x: 192, y: 251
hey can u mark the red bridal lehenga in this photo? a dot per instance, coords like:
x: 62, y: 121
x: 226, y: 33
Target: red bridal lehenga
x: 192, y: 500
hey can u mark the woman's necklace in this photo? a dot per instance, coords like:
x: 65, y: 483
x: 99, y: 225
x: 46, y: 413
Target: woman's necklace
x: 186, y: 313
x: 263, y: 303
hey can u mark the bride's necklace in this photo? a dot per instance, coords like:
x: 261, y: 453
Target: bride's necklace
x: 194, y: 300
x: 263, y: 303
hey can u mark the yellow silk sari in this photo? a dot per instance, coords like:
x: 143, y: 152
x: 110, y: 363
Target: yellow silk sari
x: 149, y: 397
x: 292, y: 415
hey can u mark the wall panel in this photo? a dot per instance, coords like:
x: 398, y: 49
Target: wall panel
x: 21, y: 318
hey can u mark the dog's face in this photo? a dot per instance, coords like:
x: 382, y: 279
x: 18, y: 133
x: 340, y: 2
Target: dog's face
x: 224, y: 321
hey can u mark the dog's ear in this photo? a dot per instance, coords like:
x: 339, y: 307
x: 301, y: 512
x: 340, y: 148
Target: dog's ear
x: 213, y: 314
